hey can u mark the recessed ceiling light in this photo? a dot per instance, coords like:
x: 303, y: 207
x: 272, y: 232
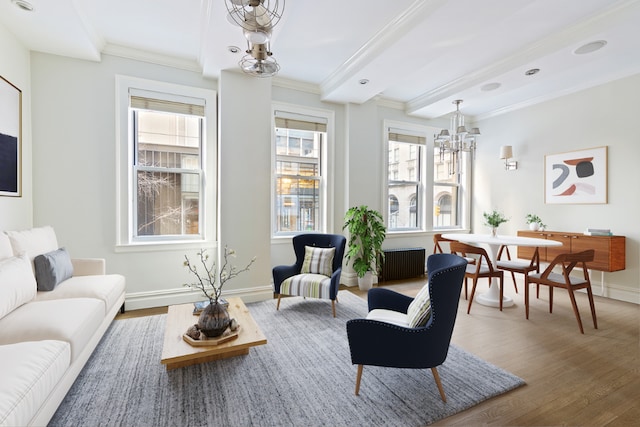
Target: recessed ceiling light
x: 532, y: 71
x: 490, y: 86
x: 23, y: 4
x: 363, y: 81
x: 590, y: 47
x: 233, y: 49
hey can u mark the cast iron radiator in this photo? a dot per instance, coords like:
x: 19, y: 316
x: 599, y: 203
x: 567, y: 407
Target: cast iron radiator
x: 403, y: 263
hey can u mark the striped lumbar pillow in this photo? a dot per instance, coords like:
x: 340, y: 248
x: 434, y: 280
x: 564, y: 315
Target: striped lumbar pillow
x: 419, y: 310
x: 318, y: 260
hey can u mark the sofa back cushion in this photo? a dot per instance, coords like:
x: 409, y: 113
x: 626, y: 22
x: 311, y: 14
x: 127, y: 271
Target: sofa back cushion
x: 6, y: 251
x: 34, y: 242
x: 17, y: 284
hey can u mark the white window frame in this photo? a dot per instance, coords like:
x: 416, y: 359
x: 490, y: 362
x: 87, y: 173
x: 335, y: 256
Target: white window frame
x: 326, y: 165
x: 125, y: 157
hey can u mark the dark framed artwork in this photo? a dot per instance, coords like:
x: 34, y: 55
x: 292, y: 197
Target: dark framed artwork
x: 576, y: 177
x: 10, y: 139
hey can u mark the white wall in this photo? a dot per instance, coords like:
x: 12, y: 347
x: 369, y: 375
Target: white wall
x: 602, y: 116
x: 245, y: 178
x: 74, y: 168
x: 15, y: 66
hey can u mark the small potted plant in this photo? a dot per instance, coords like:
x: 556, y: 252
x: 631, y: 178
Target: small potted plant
x: 493, y: 220
x: 214, y: 318
x: 534, y: 221
x: 366, y: 234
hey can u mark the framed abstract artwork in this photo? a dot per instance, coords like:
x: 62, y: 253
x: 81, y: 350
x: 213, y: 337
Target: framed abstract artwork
x: 10, y: 139
x: 576, y: 177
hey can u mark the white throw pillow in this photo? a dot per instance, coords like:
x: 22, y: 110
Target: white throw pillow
x: 34, y: 242
x: 17, y: 283
x: 6, y: 251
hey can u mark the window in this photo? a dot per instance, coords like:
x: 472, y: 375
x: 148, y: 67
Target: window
x: 300, y: 190
x: 417, y: 198
x: 405, y: 179
x: 163, y: 161
x: 446, y: 190
x: 167, y: 168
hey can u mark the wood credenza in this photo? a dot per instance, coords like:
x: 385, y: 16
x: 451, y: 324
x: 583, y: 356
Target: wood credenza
x: 610, y: 252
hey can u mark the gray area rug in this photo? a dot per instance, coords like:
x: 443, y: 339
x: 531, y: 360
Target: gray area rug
x: 303, y: 376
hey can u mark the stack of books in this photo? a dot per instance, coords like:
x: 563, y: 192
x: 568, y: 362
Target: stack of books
x: 598, y: 232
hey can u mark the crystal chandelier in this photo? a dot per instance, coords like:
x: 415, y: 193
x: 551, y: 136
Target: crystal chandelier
x: 450, y: 143
x: 257, y: 19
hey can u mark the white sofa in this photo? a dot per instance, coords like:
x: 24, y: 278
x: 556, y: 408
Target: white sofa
x: 46, y: 337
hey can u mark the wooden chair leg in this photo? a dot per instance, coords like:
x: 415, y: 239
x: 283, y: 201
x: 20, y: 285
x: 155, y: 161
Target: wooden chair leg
x: 465, y: 289
x: 333, y: 307
x: 473, y: 292
x: 436, y: 376
x: 593, y: 307
x: 526, y: 298
x: 575, y: 309
x: 515, y: 285
x: 358, y: 378
x: 278, y: 305
x: 501, y: 291
x: 550, y: 299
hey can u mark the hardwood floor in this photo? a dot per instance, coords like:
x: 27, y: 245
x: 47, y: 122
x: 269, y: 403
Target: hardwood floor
x: 572, y: 379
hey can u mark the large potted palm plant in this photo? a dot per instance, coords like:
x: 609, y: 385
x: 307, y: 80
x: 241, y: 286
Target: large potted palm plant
x: 366, y: 234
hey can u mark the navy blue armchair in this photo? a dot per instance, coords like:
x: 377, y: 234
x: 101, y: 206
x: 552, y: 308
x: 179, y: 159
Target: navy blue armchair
x: 381, y: 343
x: 316, y: 273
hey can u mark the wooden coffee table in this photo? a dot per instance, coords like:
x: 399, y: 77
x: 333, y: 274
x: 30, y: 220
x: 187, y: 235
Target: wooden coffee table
x: 177, y: 353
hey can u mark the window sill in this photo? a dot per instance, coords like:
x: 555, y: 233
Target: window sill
x: 163, y: 246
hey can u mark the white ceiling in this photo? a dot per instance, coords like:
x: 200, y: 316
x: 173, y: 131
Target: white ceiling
x: 421, y: 53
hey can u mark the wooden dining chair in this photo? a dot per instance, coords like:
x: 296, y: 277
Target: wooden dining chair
x: 517, y: 265
x: 437, y: 249
x: 482, y: 269
x: 567, y: 262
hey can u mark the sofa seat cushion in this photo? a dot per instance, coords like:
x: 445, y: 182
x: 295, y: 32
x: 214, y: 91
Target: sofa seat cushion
x: 29, y: 371
x: 73, y: 320
x: 107, y: 288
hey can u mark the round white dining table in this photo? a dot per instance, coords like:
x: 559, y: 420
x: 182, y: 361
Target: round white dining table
x: 493, y: 243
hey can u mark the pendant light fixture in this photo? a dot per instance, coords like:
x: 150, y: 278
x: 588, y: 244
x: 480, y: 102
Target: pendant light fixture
x: 451, y: 142
x: 257, y: 19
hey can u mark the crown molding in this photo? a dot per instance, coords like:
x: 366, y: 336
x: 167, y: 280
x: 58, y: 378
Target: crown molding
x: 286, y: 83
x: 152, y: 58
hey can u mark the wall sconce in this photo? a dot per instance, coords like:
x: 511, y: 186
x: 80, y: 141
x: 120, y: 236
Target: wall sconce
x: 506, y: 152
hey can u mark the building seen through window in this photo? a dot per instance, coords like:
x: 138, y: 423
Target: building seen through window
x: 298, y: 194
x: 446, y: 188
x: 167, y: 172
x: 404, y: 179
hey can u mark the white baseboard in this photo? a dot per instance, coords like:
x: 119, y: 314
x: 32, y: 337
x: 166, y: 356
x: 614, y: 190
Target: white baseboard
x: 618, y: 293
x: 166, y: 297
